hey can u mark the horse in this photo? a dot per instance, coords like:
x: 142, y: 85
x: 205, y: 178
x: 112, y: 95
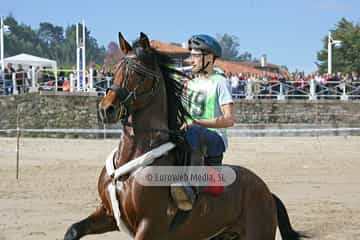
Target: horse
x: 149, y: 101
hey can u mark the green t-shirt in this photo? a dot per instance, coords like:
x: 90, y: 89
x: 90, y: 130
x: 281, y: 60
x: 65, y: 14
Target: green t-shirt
x: 207, y: 95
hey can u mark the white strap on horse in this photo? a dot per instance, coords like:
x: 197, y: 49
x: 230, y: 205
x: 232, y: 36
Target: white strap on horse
x: 142, y: 161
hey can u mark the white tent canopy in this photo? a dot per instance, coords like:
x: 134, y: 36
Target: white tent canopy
x: 30, y: 60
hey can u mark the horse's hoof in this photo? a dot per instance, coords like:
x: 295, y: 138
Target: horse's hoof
x: 71, y: 234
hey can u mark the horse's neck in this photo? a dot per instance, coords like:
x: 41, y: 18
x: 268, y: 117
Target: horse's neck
x: 151, y: 118
x: 144, y: 133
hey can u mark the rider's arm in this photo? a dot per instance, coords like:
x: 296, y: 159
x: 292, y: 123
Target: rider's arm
x: 224, y: 121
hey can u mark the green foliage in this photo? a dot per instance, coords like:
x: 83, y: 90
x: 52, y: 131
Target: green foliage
x: 245, y: 57
x: 230, y: 49
x: 50, y: 41
x: 347, y: 57
x: 112, y: 56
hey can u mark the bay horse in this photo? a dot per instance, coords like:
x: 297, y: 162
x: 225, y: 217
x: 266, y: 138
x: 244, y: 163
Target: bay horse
x: 147, y: 96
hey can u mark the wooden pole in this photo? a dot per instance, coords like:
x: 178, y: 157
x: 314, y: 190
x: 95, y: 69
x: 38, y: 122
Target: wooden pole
x: 17, y: 141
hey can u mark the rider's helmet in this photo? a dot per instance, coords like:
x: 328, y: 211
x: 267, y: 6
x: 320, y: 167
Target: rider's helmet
x: 205, y: 43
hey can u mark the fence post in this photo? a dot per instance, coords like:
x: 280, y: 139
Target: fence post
x: 72, y: 85
x: 15, y: 91
x: 249, y: 92
x: 108, y: 79
x: 344, y: 96
x: 91, y: 80
x: 33, y: 87
x: 312, y: 95
x: 56, y: 80
x: 4, y: 81
x: 281, y: 95
x: 18, y: 133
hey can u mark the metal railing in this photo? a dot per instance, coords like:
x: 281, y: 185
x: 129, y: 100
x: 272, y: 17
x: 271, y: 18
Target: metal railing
x: 282, y: 90
x: 49, y: 80
x: 246, y: 89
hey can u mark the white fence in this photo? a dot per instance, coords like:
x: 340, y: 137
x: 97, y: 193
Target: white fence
x: 281, y: 90
x: 248, y: 89
x: 49, y: 80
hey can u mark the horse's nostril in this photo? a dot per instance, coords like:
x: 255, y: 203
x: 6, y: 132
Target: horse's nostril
x: 110, y: 109
x: 109, y: 113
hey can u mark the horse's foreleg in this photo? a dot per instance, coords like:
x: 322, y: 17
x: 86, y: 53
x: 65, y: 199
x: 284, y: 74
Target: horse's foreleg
x: 96, y: 223
x: 151, y: 230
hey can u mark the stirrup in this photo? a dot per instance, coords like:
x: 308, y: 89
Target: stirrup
x: 183, y: 195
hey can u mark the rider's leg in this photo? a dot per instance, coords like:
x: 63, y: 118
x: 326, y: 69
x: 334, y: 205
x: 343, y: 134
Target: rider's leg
x: 203, y: 142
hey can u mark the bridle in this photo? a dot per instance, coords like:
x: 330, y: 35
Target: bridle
x: 128, y: 97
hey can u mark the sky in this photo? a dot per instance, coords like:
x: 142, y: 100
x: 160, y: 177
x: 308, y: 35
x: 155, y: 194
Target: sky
x: 289, y: 32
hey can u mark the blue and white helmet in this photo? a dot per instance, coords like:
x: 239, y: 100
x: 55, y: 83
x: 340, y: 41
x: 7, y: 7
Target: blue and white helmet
x: 205, y: 43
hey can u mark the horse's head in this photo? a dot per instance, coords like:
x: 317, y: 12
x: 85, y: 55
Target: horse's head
x: 135, y: 80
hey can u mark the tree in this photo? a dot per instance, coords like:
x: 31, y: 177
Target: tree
x: 112, y: 55
x: 21, y: 39
x: 50, y: 34
x: 245, y: 57
x: 347, y: 57
x: 95, y: 53
x: 229, y: 45
x: 50, y: 41
x: 67, y: 48
x: 230, y: 49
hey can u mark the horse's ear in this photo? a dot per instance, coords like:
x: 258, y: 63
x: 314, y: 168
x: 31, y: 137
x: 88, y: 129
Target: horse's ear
x: 144, y: 41
x: 124, y: 45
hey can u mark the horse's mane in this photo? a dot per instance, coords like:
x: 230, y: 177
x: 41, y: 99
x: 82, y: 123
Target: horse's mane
x: 176, y: 100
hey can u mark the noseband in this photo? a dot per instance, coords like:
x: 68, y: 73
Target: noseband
x: 125, y: 96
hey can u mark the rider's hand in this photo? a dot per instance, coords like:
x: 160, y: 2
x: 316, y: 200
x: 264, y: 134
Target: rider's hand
x: 188, y: 124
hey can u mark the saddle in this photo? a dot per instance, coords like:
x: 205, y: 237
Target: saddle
x: 183, y: 152
x: 183, y: 156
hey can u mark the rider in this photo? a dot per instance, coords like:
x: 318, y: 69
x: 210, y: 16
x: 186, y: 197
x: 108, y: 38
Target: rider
x: 211, y: 108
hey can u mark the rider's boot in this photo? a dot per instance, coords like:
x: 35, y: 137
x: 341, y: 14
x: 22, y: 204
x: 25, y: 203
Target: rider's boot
x: 184, y: 194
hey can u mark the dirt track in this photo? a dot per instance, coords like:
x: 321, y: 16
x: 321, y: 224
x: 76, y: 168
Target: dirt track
x: 317, y: 178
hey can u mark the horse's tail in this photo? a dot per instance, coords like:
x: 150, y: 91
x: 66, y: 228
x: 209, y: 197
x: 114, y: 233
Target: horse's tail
x: 286, y: 230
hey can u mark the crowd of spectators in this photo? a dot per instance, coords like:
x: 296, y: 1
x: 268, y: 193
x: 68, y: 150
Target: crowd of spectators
x: 294, y: 85
x: 263, y: 85
x: 45, y: 78
x: 23, y: 78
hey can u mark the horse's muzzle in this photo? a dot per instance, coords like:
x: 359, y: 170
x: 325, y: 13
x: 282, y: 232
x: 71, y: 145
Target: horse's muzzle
x: 110, y: 114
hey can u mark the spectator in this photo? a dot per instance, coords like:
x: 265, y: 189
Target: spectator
x: 354, y: 77
x: 9, y: 70
x: 20, y: 79
x: 61, y: 79
x: 234, y: 84
x: 333, y: 81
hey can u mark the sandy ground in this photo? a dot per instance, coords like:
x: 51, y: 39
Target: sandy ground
x: 317, y: 178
